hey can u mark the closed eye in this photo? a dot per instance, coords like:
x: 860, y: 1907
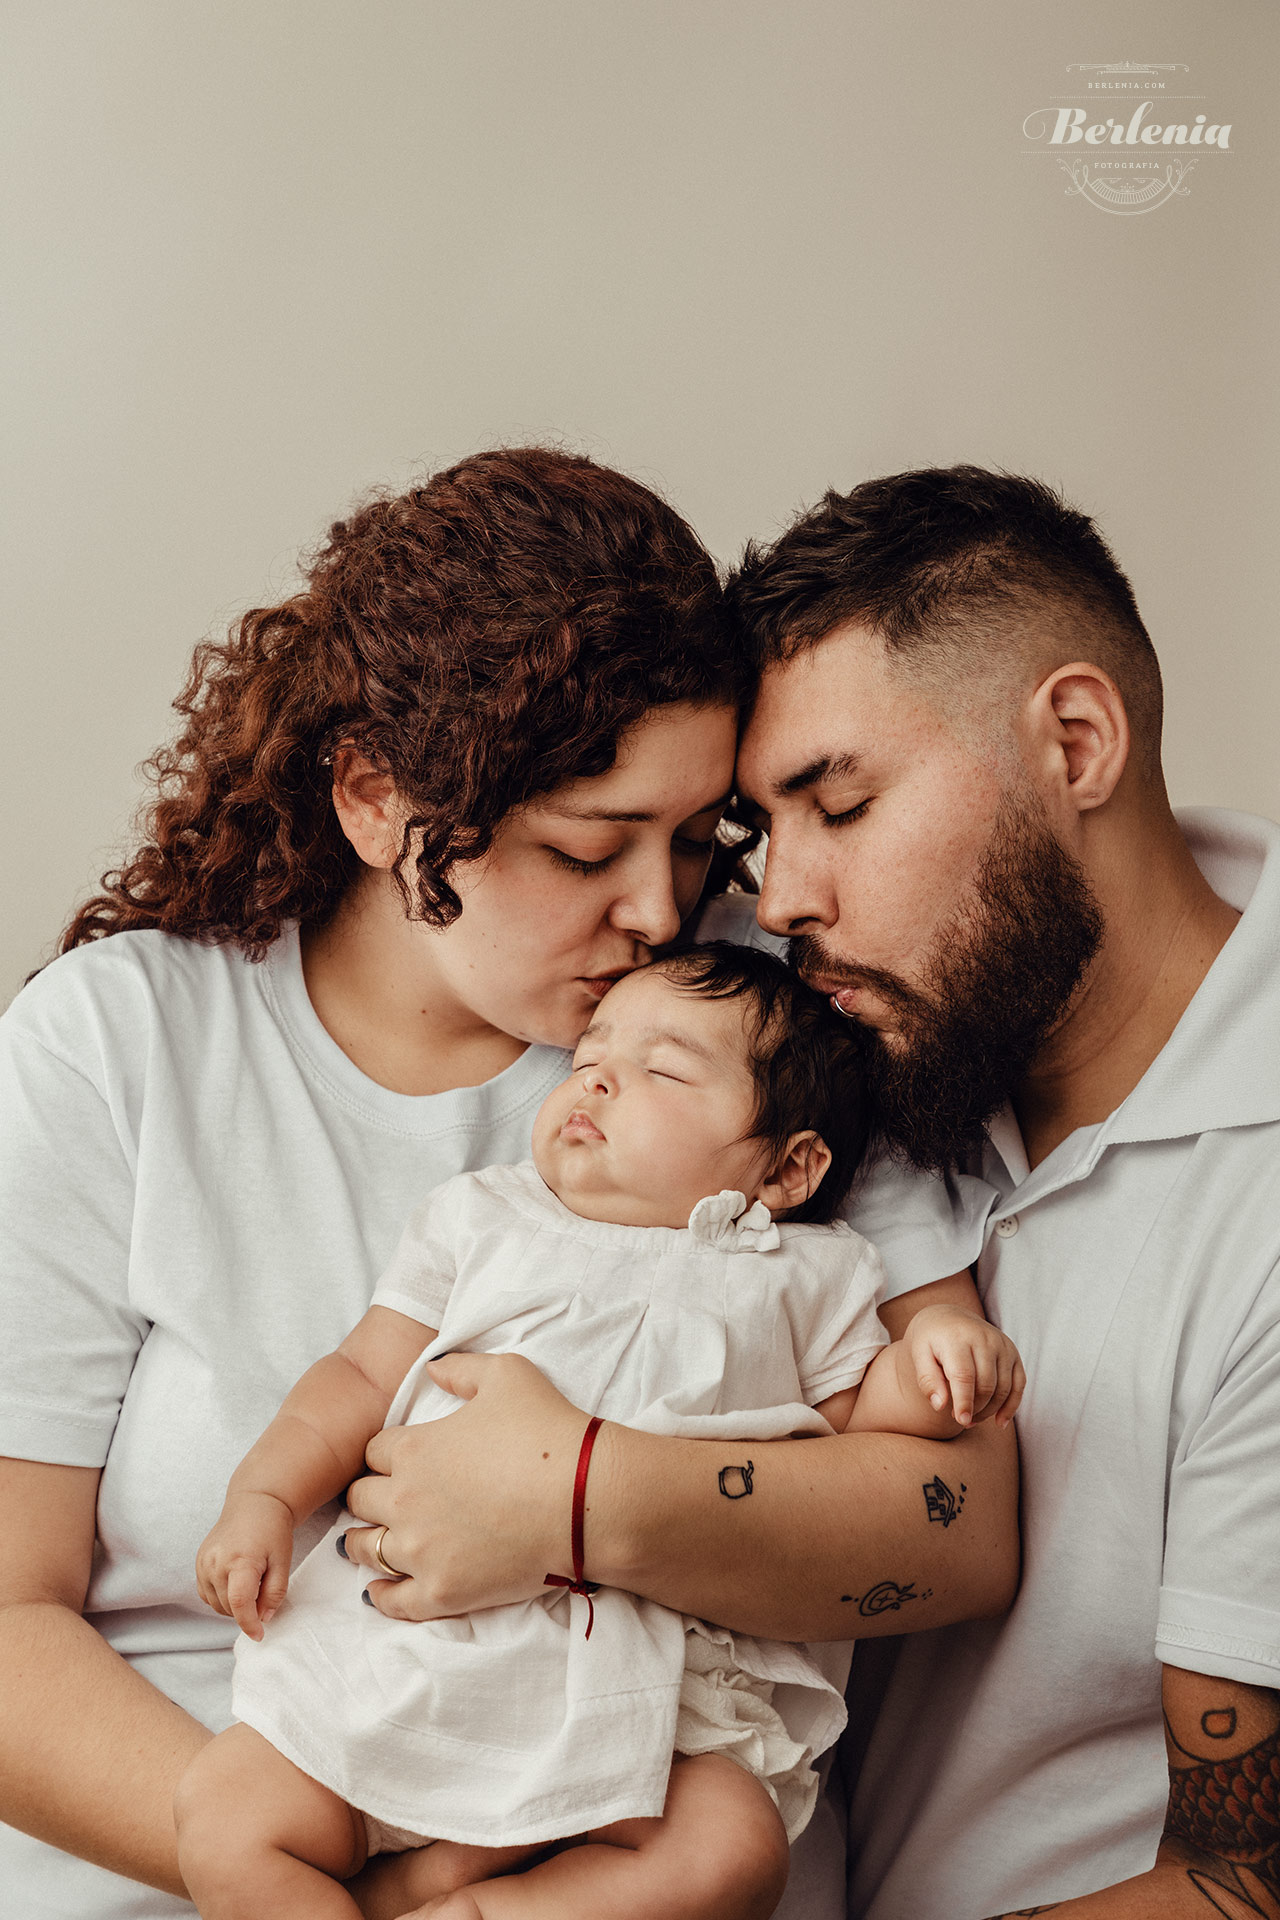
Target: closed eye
x: 567, y: 861
x: 659, y: 1074
x: 843, y: 819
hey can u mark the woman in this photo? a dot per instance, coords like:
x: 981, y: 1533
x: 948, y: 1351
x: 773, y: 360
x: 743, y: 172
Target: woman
x: 418, y: 818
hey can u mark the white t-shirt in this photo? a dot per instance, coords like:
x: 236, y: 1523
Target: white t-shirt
x: 197, y: 1192
x: 1022, y: 1761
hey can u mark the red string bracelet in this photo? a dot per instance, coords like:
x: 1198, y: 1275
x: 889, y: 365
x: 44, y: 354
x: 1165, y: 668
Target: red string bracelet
x: 580, y: 1583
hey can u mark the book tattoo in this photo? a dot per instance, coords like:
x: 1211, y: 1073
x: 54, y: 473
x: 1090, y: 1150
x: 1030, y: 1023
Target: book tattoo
x: 941, y: 1503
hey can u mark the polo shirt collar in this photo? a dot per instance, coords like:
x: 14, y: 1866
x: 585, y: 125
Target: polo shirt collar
x: 1220, y: 1066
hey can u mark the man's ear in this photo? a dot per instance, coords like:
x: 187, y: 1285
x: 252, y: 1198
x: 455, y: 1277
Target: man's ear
x: 1080, y: 733
x: 797, y: 1172
x: 368, y: 807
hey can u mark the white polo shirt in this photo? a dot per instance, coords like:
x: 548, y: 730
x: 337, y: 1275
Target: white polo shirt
x: 1022, y: 1760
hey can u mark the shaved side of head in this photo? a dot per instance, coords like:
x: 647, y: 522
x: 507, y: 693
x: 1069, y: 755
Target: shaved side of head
x: 978, y: 584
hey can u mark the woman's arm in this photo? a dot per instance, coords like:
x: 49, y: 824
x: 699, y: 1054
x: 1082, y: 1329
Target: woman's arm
x: 90, y: 1752
x: 852, y: 1535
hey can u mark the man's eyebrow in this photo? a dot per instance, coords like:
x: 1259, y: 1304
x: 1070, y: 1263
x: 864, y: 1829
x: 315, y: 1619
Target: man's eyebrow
x: 829, y: 766
x: 621, y: 814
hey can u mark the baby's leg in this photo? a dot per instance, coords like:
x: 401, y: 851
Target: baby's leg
x: 258, y: 1836
x: 396, y: 1883
x: 719, y: 1852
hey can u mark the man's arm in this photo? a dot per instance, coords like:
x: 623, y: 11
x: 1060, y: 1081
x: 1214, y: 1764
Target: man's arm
x: 1220, y: 1851
x: 831, y: 1539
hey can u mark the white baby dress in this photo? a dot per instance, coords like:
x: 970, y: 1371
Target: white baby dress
x: 509, y: 1725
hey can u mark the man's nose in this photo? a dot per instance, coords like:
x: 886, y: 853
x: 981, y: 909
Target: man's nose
x: 795, y: 897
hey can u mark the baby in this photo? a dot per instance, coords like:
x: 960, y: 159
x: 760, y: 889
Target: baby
x: 640, y: 1263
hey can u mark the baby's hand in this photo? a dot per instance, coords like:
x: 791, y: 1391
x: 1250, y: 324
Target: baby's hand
x: 955, y: 1355
x: 242, y: 1568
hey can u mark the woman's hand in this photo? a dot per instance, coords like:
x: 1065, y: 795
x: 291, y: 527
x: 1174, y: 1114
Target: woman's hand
x: 476, y: 1506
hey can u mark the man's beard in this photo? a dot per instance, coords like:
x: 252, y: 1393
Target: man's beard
x: 1002, y: 973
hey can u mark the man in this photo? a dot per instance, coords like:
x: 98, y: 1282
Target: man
x: 1072, y: 1001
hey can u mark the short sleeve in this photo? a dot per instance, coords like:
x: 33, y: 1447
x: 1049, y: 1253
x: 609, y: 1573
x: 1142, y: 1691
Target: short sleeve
x: 420, y: 1277
x: 924, y: 1226
x: 1220, y: 1599
x: 71, y: 1336
x: 849, y: 1337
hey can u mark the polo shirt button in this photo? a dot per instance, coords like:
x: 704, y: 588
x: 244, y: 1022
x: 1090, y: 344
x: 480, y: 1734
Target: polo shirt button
x: 1008, y: 1227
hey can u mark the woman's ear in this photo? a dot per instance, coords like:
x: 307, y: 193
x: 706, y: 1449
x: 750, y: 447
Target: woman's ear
x: 1082, y: 731
x: 368, y: 807
x: 797, y: 1173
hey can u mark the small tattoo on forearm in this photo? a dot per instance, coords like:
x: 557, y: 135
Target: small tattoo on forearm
x: 735, y: 1482
x: 941, y: 1503
x: 887, y: 1597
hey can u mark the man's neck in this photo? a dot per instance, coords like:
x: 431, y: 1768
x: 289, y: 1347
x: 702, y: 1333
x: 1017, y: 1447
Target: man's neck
x: 372, y: 978
x: 1164, y: 929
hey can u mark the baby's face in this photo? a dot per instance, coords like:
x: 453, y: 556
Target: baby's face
x: 655, y: 1113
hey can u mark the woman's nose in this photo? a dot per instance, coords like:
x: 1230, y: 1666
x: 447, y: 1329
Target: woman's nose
x: 649, y: 912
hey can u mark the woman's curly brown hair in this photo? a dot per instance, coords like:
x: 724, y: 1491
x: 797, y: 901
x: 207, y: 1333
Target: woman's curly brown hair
x: 483, y: 639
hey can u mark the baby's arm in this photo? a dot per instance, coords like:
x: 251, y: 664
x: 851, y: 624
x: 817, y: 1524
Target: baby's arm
x: 950, y: 1369
x: 312, y: 1450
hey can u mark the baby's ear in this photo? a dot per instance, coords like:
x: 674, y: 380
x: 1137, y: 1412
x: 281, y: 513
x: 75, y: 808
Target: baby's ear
x: 797, y: 1173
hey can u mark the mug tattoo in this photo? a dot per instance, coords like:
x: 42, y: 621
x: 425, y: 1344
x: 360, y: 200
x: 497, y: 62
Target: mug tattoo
x: 735, y: 1482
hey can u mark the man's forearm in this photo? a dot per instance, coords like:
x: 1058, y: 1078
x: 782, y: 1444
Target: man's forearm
x: 830, y: 1539
x: 1184, y: 1884
x: 90, y: 1752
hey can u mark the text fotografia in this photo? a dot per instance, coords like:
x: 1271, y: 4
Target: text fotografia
x: 1071, y: 127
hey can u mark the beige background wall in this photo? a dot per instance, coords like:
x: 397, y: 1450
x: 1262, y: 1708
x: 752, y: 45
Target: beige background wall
x: 262, y: 255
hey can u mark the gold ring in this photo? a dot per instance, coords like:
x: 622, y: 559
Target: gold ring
x: 392, y: 1573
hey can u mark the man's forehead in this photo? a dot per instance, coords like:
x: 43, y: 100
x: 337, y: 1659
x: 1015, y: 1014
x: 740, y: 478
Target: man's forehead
x: 820, y: 714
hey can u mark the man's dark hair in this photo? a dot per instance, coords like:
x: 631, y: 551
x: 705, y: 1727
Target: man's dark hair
x: 960, y: 571
x: 806, y: 1061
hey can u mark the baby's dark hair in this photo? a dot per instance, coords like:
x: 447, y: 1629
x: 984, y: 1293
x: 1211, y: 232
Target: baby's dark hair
x: 805, y: 1060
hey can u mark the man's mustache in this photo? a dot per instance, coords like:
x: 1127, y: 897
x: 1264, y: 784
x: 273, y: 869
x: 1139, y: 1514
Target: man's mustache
x: 812, y: 962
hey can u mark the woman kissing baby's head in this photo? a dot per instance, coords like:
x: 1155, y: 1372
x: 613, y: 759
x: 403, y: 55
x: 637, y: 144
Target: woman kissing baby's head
x: 715, y: 1068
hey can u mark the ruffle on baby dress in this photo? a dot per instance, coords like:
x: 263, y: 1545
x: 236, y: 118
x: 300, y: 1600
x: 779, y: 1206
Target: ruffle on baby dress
x: 724, y: 1220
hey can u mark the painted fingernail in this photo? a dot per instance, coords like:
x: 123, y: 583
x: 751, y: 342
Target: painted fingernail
x: 366, y: 1596
x: 341, y: 1544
